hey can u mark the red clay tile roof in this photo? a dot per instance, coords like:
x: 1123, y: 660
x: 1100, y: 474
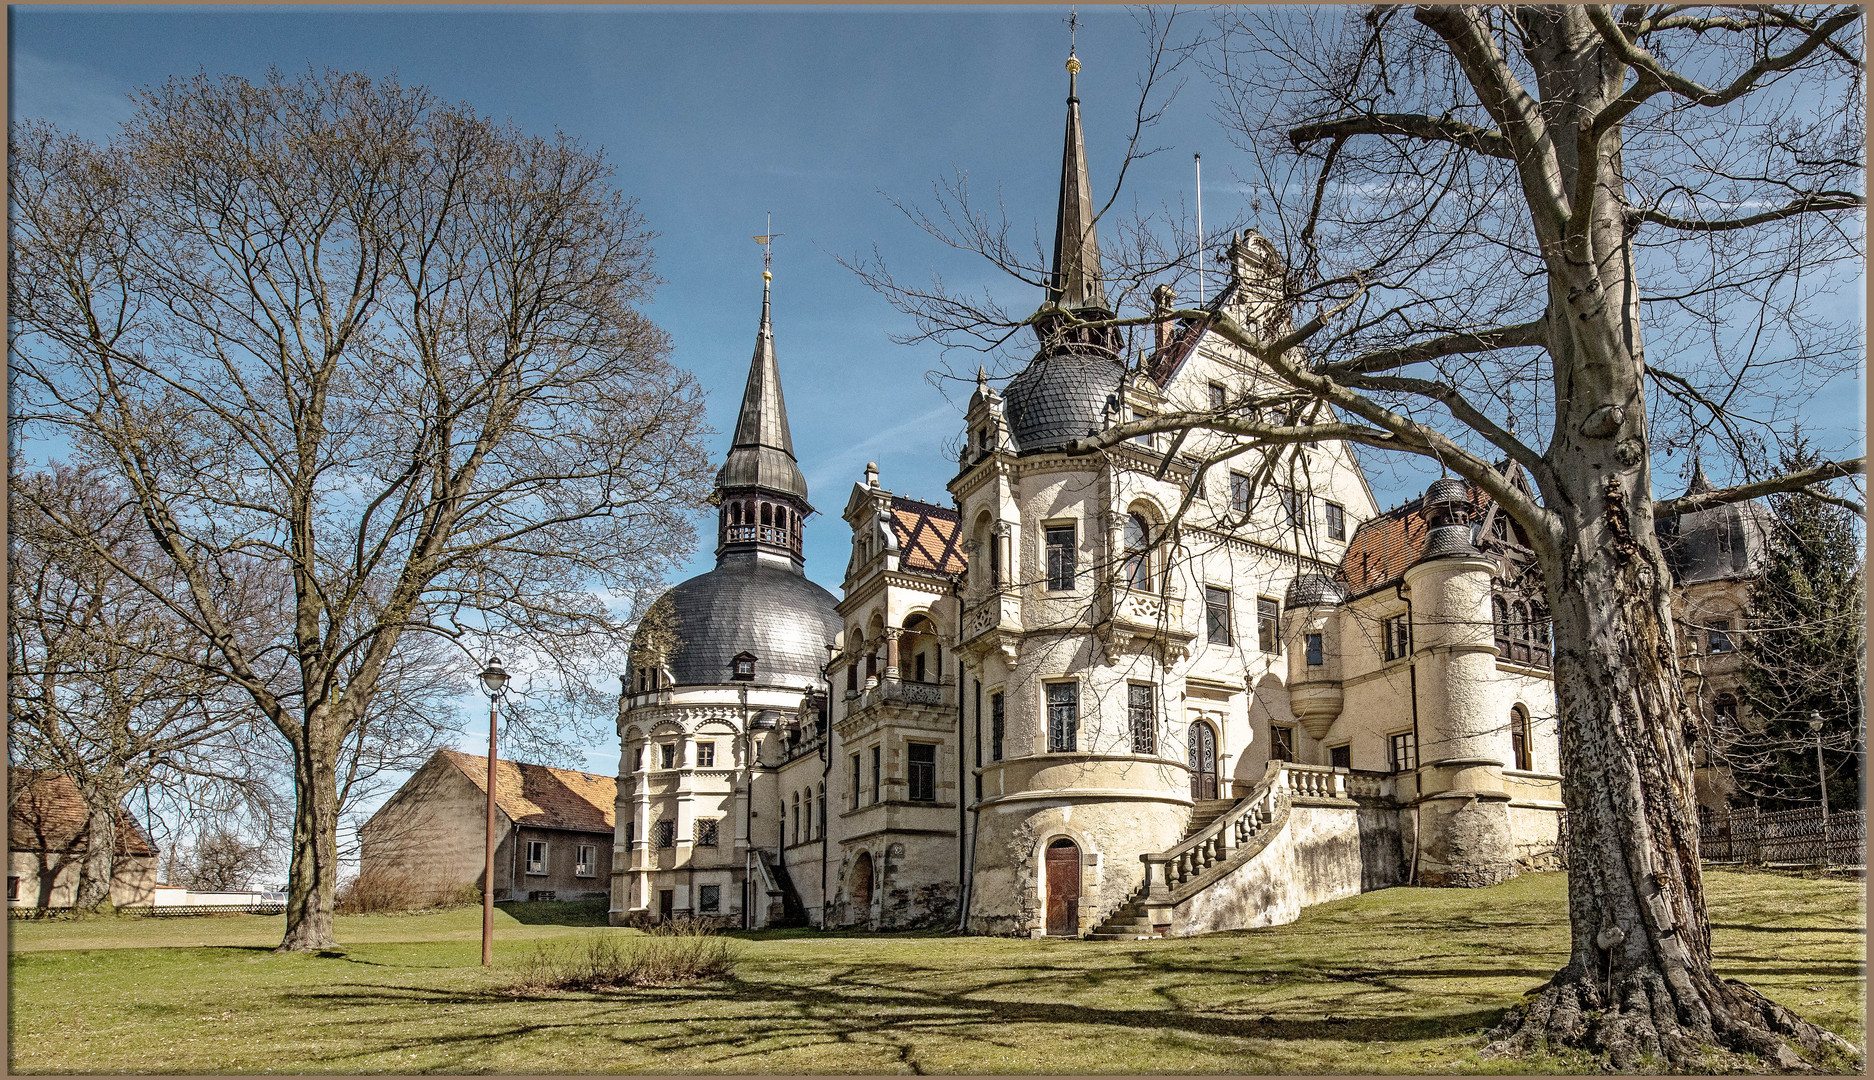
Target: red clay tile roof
x: 927, y: 537
x: 542, y: 796
x: 1383, y: 547
x: 48, y: 814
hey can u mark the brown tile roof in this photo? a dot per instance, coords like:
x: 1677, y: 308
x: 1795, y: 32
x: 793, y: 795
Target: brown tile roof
x: 927, y: 537
x: 48, y: 814
x: 542, y: 796
x: 1383, y: 547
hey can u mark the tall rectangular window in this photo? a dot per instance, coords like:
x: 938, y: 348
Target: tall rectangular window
x: 1269, y: 624
x: 1398, y: 634
x: 1281, y: 743
x: 1149, y: 440
x: 1520, y: 756
x: 631, y: 833
x: 921, y: 763
x: 1294, y: 507
x: 1063, y: 717
x: 1404, y: 752
x: 1336, y: 522
x: 1060, y: 544
x: 1216, y: 615
x: 587, y: 863
x: 855, y: 782
x: 666, y: 834
x: 536, y: 856
x: 997, y: 718
x: 668, y: 751
x: 878, y: 778
x: 1719, y: 637
x: 1140, y: 717
x: 706, y: 755
x: 1314, y: 650
x: 706, y: 832
x: 1219, y: 397
x: 1240, y: 490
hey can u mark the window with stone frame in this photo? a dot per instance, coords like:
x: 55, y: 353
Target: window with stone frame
x: 709, y: 899
x: 1396, y: 632
x: 1141, y: 717
x: 1315, y: 653
x: 1340, y: 757
x: 1061, y: 558
x: 1718, y: 637
x: 819, y: 810
x: 997, y: 720
x: 1336, y: 521
x: 666, y: 834
x: 1063, y: 717
x: 667, y: 754
x: 1521, y: 756
x: 1136, y: 571
x: 1217, y: 615
x: 586, y: 865
x: 921, y: 771
x: 796, y: 831
x: 1281, y: 742
x: 1403, y: 752
x: 855, y: 782
x: 1269, y: 624
x: 878, y: 774
x: 1219, y: 396
x: 1294, y: 506
x: 705, y: 755
x: 1242, y: 490
x: 706, y: 832
x: 536, y: 857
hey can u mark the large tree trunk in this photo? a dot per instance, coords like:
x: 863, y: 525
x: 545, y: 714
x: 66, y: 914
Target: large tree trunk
x: 100, y: 861
x: 314, y: 874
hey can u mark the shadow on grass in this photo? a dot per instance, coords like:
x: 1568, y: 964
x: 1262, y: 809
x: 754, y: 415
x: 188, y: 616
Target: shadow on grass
x: 884, y: 1006
x: 557, y: 912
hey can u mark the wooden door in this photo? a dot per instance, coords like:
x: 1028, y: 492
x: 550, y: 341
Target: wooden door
x: 1063, y: 862
x: 859, y: 891
x: 1203, y: 757
x: 666, y: 900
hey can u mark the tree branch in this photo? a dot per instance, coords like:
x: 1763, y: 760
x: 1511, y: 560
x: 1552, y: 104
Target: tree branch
x: 1796, y: 481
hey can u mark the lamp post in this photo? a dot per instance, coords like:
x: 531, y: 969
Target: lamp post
x: 1821, y: 778
x: 495, y: 681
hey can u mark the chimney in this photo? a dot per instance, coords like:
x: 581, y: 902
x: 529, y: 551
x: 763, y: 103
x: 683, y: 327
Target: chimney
x: 1164, y: 302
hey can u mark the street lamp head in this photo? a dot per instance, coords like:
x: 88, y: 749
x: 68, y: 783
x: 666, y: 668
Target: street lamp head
x: 494, y: 677
x: 1815, y: 722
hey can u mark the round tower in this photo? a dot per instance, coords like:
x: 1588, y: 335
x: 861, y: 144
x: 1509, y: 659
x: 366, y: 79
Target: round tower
x: 1462, y: 807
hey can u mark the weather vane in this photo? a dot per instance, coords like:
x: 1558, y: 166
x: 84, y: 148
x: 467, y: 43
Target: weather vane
x: 766, y: 240
x: 1073, y: 26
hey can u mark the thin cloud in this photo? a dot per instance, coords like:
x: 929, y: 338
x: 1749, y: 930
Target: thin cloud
x: 72, y: 96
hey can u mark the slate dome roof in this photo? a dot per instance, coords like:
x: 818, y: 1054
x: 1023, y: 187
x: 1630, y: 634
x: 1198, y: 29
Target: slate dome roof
x: 773, y: 612
x: 1720, y: 543
x: 1061, y: 397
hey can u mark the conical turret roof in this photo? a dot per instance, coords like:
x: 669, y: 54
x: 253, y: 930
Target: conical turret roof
x: 762, y: 452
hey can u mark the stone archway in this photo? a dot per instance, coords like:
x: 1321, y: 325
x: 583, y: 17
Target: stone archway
x: 1063, y: 888
x: 859, y: 891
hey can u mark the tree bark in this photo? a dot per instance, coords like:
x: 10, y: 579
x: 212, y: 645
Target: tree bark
x: 99, y: 865
x: 313, y: 877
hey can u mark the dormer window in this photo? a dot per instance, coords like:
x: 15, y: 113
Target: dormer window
x: 744, y: 665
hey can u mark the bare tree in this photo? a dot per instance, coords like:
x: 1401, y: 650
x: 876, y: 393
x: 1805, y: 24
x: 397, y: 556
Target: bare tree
x: 1480, y: 216
x: 106, y: 686
x: 377, y: 350
x: 223, y: 860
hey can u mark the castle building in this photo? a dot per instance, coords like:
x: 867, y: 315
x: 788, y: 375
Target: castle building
x: 1182, y: 685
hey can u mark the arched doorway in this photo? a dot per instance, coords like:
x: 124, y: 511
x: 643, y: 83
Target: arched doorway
x: 1203, y: 756
x: 859, y: 891
x: 1063, y: 877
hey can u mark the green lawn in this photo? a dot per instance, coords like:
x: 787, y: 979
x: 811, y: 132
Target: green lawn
x: 1396, y: 981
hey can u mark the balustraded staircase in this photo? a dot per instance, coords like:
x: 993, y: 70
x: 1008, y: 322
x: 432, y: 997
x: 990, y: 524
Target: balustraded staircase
x: 1225, y: 834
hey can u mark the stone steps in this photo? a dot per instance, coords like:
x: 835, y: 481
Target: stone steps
x: 1129, y: 922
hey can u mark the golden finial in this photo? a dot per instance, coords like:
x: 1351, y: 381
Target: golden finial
x: 767, y: 275
x: 1073, y: 65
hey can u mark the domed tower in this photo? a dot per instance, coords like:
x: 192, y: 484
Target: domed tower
x: 715, y: 663
x: 1065, y: 657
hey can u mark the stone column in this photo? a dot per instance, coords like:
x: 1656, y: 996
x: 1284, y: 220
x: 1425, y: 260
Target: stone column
x: 892, y: 634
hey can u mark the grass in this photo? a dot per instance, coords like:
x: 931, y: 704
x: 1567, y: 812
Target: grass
x: 1397, y: 981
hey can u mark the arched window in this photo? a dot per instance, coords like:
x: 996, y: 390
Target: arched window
x: 1500, y: 611
x: 735, y: 513
x: 767, y: 514
x: 1522, y: 754
x: 1137, y: 568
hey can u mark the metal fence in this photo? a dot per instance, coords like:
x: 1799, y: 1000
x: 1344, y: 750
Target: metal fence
x: 165, y: 912
x: 1784, y: 837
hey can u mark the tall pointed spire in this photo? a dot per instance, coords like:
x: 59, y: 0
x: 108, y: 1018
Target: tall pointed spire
x: 760, y: 486
x: 1075, y: 282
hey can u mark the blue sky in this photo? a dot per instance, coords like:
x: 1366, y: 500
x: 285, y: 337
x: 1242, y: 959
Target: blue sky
x: 714, y: 117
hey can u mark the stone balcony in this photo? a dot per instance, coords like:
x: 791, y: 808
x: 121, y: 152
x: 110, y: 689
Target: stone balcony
x: 892, y: 698
x: 987, y: 614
